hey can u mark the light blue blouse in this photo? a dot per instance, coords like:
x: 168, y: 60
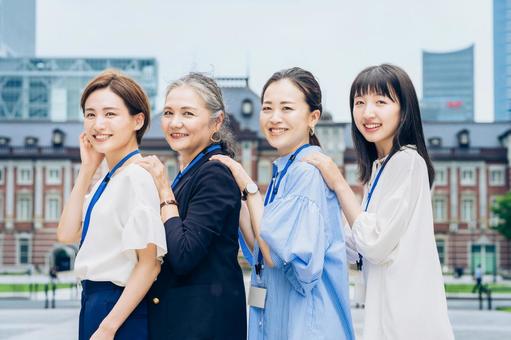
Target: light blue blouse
x: 307, y: 290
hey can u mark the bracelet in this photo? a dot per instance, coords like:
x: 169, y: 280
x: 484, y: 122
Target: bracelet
x: 168, y: 202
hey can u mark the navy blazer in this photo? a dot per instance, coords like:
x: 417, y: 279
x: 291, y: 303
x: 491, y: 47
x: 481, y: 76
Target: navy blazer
x: 199, y: 293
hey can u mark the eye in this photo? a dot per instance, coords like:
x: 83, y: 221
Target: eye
x: 89, y: 115
x: 287, y: 108
x: 110, y: 114
x: 266, y: 109
x: 381, y: 102
x: 188, y: 114
x: 359, y: 102
x: 167, y: 113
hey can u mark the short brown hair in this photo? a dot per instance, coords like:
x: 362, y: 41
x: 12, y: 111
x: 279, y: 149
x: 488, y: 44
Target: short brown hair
x: 130, y: 92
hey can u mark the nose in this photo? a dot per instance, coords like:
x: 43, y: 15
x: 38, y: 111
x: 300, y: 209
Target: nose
x: 368, y: 110
x: 99, y: 122
x: 275, y: 117
x: 174, y: 122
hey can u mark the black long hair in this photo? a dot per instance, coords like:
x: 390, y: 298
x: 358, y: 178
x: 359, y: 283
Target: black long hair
x: 393, y: 82
x: 307, y: 84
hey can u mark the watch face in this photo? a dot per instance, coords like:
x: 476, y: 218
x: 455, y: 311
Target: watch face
x: 252, y: 188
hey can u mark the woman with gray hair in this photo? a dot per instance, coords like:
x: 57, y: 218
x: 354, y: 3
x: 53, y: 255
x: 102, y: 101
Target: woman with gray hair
x: 199, y: 293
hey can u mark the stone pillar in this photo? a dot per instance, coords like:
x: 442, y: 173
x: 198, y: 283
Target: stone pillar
x: 38, y: 195
x: 9, y: 196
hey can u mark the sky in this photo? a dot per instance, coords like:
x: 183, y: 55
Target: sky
x: 333, y: 39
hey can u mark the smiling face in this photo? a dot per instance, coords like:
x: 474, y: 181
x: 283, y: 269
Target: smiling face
x: 285, y: 117
x: 186, y: 122
x: 377, y: 118
x: 108, y: 125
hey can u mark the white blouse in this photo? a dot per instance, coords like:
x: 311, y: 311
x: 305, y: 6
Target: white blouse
x: 125, y: 218
x: 405, y: 297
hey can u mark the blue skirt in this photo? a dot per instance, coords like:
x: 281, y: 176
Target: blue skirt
x: 98, y: 299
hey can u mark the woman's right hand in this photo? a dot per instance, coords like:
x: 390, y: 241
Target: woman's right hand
x: 240, y: 175
x: 329, y: 170
x: 91, y: 159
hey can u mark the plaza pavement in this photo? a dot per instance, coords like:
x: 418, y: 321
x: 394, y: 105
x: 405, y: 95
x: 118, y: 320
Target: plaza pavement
x: 24, y: 318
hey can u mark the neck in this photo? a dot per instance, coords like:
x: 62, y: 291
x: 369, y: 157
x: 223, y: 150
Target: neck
x: 383, y: 148
x: 112, y: 158
x: 187, y: 157
x: 287, y: 150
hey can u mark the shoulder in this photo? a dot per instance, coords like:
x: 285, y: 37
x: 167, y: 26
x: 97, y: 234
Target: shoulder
x: 139, y: 180
x: 407, y: 158
x: 215, y: 173
x: 407, y: 162
x: 305, y: 178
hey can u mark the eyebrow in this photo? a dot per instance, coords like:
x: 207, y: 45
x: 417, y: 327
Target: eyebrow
x: 181, y: 108
x: 103, y: 109
x: 281, y: 103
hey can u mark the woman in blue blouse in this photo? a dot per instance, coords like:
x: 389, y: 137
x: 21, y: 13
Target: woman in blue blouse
x: 299, y: 286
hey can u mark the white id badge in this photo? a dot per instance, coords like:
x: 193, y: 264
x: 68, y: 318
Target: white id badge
x: 257, y: 297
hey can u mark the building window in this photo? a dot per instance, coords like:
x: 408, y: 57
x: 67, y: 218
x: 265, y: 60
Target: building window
x: 468, y: 209
x: 352, y: 174
x: 497, y: 176
x: 440, y: 176
x: 24, y: 250
x: 468, y: 176
x: 53, y: 175
x: 1, y: 208
x: 440, y: 209
x: 24, y: 175
x: 263, y: 172
x: 24, y: 207
x: 440, y: 246
x: 52, y: 207
x: 172, y: 169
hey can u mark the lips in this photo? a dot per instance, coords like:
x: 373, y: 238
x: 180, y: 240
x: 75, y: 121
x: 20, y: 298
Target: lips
x: 101, y: 137
x: 370, y: 127
x: 277, y: 131
x: 178, y: 135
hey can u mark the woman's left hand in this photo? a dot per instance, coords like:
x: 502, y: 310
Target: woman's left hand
x: 102, y: 333
x: 240, y: 175
x: 159, y: 172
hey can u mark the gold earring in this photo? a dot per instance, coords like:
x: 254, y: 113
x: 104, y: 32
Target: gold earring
x: 217, y: 139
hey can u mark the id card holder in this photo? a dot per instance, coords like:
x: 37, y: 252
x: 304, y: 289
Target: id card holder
x: 257, y: 297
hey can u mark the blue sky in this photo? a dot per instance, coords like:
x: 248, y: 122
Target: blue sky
x: 333, y: 39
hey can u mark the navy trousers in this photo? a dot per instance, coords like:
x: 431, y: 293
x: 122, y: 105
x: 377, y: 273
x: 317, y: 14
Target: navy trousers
x: 98, y: 299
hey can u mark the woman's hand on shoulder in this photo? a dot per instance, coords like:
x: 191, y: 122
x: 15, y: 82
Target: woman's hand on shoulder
x: 329, y: 170
x: 91, y: 159
x: 159, y: 172
x: 240, y: 175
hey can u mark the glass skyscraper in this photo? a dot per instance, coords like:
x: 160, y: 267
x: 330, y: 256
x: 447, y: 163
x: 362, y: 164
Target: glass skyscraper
x: 502, y: 59
x: 448, y: 85
x: 50, y: 88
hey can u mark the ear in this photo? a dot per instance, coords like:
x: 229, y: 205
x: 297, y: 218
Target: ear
x: 314, y: 118
x: 139, y: 120
x: 218, y: 121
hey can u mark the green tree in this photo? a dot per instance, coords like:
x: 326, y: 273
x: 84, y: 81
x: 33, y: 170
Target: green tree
x: 502, y: 208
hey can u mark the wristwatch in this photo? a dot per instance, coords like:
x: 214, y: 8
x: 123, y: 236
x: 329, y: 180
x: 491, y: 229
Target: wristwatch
x: 251, y: 188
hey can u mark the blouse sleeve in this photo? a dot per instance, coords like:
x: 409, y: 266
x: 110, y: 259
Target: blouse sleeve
x: 294, y: 229
x: 377, y: 233
x: 144, y: 225
x: 215, y: 195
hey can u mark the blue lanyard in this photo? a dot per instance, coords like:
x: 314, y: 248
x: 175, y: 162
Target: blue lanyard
x: 369, y: 195
x: 197, y: 158
x: 271, y: 193
x: 99, y: 192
